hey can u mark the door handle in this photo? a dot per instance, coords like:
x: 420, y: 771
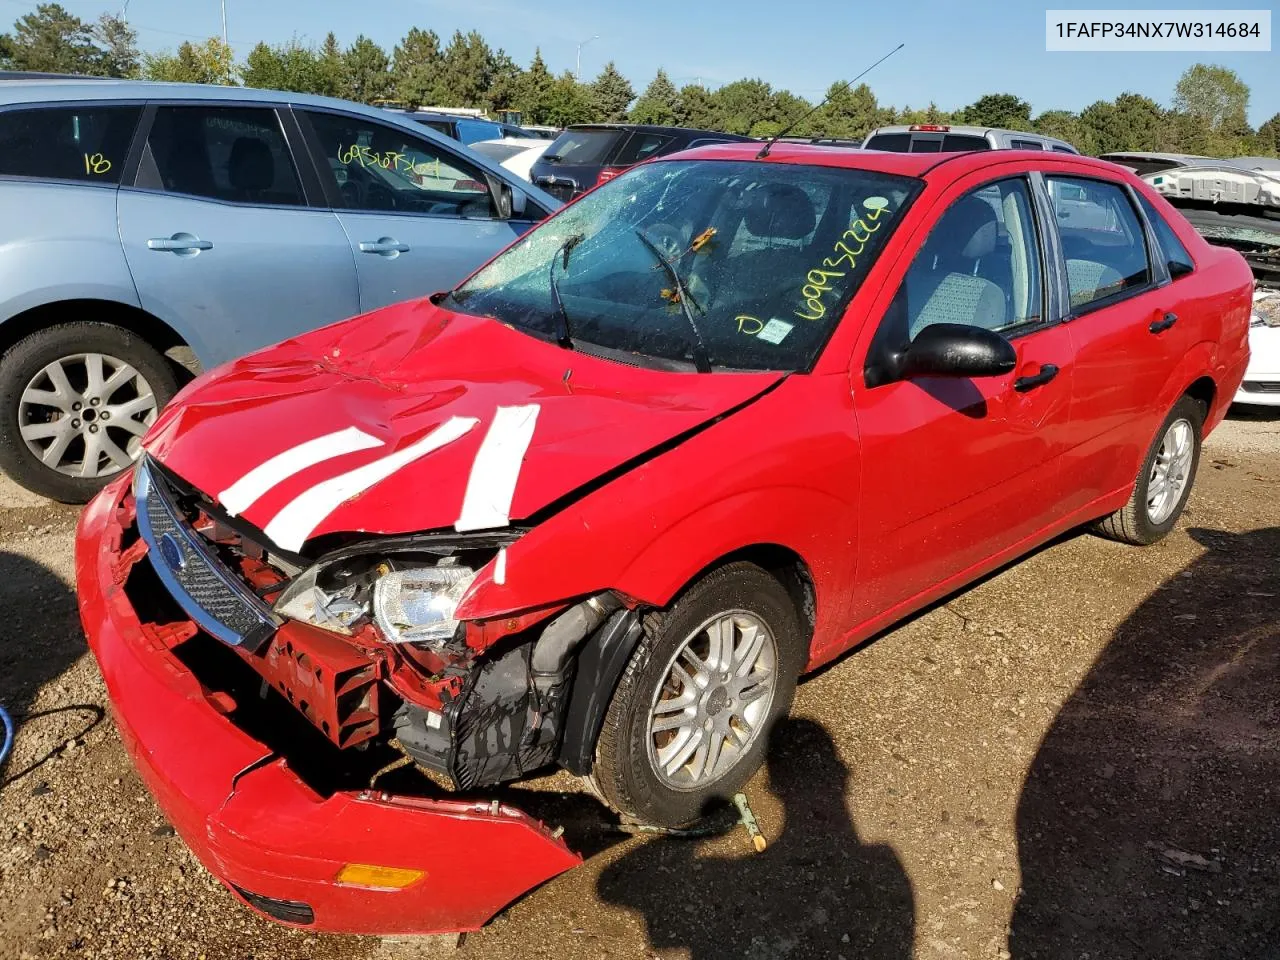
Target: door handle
x: 385, y: 246
x: 1047, y: 372
x: 179, y: 243
x: 1164, y: 323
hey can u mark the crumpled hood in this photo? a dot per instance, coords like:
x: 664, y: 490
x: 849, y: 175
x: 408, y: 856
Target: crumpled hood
x: 414, y: 418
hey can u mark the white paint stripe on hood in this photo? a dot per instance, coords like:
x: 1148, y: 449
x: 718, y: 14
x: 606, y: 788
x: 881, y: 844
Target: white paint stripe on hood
x: 492, y: 483
x: 246, y: 491
x: 290, y: 527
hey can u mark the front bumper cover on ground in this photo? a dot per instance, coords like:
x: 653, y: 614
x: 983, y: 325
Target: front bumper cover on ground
x: 278, y: 845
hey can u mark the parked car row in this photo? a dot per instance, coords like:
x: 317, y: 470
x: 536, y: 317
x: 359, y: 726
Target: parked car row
x: 149, y: 229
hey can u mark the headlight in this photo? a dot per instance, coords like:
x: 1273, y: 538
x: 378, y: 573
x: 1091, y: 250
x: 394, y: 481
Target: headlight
x: 409, y: 604
x: 417, y: 606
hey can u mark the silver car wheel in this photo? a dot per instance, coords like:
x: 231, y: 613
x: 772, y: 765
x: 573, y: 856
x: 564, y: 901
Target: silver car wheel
x: 84, y: 415
x: 712, y: 705
x: 1170, y: 471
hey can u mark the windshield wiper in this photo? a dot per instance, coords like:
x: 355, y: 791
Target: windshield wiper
x: 701, y: 358
x: 564, y: 330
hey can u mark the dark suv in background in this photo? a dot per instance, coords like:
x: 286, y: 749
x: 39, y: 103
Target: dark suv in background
x: 586, y: 155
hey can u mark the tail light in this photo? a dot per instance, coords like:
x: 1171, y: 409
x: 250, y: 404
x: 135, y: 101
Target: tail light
x: 930, y: 128
x: 607, y: 174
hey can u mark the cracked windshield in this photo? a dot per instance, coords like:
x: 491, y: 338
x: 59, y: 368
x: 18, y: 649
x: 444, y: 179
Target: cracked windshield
x: 714, y: 264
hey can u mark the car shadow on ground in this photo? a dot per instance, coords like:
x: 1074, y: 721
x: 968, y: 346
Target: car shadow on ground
x: 41, y: 640
x: 1147, y: 826
x: 818, y: 890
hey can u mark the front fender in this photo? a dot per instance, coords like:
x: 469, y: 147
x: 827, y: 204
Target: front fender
x: 783, y: 471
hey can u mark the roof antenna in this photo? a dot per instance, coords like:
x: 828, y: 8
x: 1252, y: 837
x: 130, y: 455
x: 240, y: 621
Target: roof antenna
x: 764, y: 151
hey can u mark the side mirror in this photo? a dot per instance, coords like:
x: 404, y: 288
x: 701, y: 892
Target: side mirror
x: 503, y: 201
x: 519, y: 202
x: 958, y: 350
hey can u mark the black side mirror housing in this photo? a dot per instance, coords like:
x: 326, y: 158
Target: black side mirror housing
x: 958, y: 350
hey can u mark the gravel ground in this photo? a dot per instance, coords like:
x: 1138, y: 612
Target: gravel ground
x: 1077, y: 757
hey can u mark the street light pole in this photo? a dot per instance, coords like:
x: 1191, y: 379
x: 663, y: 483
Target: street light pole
x: 224, y: 23
x: 577, y: 73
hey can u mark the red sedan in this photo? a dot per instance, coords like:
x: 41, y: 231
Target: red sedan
x: 601, y: 505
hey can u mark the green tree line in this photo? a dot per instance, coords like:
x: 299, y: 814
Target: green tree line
x: 1207, y: 113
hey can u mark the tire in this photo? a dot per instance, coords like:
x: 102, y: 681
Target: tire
x: 47, y: 437
x: 1137, y: 522
x: 626, y: 773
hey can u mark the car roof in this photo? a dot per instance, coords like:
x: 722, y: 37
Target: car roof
x: 919, y: 165
x: 99, y: 89
x: 657, y: 128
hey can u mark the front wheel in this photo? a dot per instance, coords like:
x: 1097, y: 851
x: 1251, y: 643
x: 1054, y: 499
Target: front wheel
x: 1164, y: 480
x: 690, y: 721
x: 75, y: 400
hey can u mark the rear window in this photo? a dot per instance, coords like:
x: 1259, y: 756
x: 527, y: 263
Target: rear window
x: 67, y: 143
x: 583, y: 146
x: 926, y: 145
x: 963, y: 143
x: 893, y: 142
x: 641, y: 146
x: 473, y: 131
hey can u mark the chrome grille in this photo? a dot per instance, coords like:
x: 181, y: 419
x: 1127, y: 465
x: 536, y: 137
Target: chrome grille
x: 211, y: 594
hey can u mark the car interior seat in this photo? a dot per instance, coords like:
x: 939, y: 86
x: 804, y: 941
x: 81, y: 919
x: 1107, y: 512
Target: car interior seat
x: 251, y: 170
x: 947, y: 282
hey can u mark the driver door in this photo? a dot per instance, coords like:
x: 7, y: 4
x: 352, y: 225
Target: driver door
x: 958, y: 470
x: 419, y: 217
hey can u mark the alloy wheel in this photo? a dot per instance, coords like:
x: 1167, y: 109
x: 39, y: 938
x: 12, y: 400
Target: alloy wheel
x: 1170, y: 471
x: 84, y: 415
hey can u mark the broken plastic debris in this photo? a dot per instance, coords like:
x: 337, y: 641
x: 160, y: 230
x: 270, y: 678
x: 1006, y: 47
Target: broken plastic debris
x: 749, y: 821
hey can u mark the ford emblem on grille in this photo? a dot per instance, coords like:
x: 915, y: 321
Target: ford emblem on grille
x: 171, y: 552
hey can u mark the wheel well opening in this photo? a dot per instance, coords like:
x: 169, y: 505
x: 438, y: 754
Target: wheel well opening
x: 789, y: 568
x: 1203, y: 390
x: 150, y: 328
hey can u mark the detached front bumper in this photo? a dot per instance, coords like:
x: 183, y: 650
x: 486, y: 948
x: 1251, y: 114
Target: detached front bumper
x: 276, y: 843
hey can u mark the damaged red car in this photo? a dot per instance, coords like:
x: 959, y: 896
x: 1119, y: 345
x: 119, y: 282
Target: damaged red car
x: 602, y: 504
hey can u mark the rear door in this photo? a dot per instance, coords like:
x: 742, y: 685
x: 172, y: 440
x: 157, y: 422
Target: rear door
x: 957, y: 470
x: 1124, y: 328
x: 217, y: 231
x: 419, y: 215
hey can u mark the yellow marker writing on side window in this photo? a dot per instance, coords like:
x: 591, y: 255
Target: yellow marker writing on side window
x: 96, y: 164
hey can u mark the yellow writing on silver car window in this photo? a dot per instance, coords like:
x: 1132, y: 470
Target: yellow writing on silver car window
x: 819, y: 279
x: 96, y: 164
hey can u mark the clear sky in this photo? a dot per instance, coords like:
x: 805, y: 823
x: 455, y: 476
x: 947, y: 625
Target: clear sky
x: 955, y: 52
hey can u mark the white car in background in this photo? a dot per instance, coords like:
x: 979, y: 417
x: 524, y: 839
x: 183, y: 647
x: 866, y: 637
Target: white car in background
x: 1262, y: 379
x: 517, y: 154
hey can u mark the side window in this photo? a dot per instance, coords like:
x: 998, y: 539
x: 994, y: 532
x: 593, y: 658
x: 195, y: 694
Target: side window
x: 386, y: 169
x: 980, y: 265
x: 1064, y: 150
x: 67, y: 143
x: 1102, y: 239
x: 641, y: 146
x: 236, y: 154
x: 1171, y: 249
x: 1025, y: 145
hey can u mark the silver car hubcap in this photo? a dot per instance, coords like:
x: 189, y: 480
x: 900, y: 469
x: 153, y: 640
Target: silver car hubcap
x: 1170, y: 471
x: 84, y: 415
x: 713, y: 701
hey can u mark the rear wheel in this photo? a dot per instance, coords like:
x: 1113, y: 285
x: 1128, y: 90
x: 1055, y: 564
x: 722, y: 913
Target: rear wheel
x: 1164, y: 480
x: 75, y: 400
x: 690, y: 720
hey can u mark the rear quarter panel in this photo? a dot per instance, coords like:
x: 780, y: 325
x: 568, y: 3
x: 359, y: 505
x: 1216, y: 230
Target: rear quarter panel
x: 59, y: 241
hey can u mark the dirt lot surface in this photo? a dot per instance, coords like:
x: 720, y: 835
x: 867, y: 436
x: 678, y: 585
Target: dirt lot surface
x: 1078, y: 757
